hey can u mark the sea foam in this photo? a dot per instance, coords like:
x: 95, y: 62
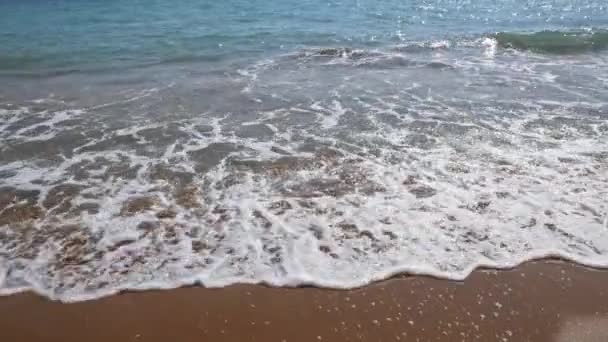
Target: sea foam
x: 317, y: 167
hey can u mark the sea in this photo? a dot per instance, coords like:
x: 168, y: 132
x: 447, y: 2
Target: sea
x: 153, y: 144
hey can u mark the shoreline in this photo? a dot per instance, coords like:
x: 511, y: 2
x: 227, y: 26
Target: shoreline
x: 543, y: 300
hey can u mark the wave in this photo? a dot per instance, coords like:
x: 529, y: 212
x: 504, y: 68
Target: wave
x: 406, y: 54
x: 551, y: 42
x: 376, y: 59
x: 420, y: 54
x: 366, y: 184
x: 555, y: 42
x: 8, y: 62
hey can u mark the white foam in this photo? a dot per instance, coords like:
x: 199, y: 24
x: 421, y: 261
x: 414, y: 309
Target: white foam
x: 385, y: 173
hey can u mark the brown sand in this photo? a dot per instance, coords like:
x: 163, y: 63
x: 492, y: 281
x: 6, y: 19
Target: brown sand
x: 539, y: 301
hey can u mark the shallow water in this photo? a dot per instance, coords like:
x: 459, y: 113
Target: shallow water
x: 160, y: 144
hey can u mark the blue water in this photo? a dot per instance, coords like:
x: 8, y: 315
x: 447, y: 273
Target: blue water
x: 93, y: 34
x: 155, y: 144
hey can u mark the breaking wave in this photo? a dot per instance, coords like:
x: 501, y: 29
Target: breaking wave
x: 431, y: 158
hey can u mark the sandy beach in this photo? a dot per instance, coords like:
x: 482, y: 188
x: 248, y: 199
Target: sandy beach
x: 538, y: 301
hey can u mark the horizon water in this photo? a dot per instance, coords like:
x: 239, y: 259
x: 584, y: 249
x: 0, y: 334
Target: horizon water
x: 156, y: 144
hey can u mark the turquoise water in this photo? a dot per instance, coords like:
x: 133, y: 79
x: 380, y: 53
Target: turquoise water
x: 156, y: 144
x: 94, y: 34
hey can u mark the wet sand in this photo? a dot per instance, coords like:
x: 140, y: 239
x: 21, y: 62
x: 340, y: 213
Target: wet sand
x: 538, y: 301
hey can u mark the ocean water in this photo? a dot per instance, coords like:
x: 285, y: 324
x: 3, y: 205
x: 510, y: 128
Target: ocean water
x: 155, y: 144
